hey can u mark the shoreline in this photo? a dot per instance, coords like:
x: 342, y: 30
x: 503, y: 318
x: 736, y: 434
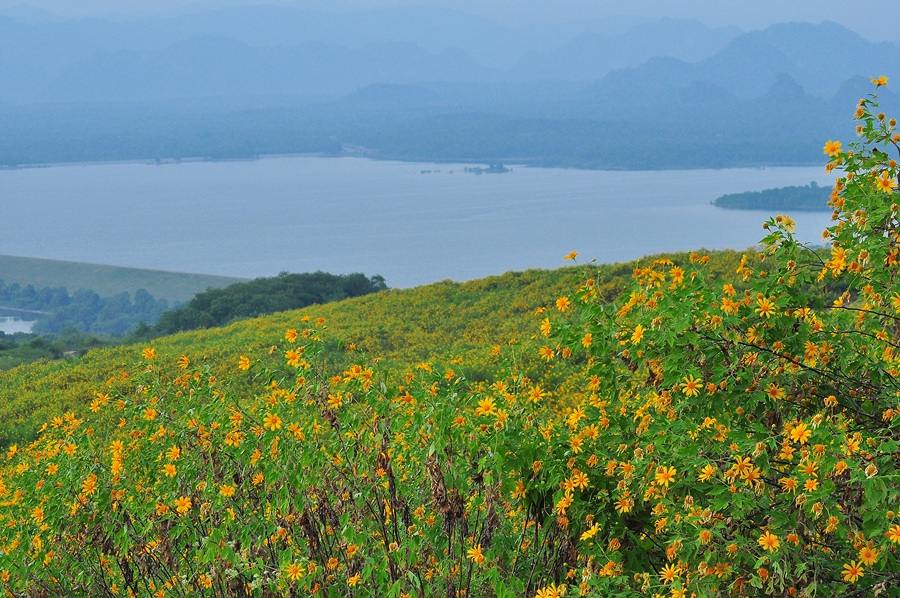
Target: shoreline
x: 515, y: 162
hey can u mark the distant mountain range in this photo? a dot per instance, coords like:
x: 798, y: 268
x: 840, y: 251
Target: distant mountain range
x: 247, y: 81
x: 590, y: 56
x: 202, y: 67
x: 277, y: 49
x: 819, y: 57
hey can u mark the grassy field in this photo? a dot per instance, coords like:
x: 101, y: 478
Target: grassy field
x: 519, y: 435
x: 107, y: 280
x: 397, y: 327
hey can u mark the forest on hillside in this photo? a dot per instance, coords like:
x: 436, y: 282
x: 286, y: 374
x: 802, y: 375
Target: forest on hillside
x: 69, y: 324
x: 83, y: 310
x: 217, y: 307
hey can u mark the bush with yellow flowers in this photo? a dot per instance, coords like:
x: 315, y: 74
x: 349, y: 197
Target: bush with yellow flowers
x: 697, y: 436
x: 747, y: 441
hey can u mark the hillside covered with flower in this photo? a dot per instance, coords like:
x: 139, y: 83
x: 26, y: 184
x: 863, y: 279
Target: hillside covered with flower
x: 695, y: 431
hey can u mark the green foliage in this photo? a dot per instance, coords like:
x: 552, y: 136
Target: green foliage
x: 804, y: 198
x: 217, y: 307
x: 19, y: 349
x: 83, y: 311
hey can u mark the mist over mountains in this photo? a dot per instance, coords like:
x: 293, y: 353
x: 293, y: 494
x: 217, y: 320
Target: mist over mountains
x: 426, y: 83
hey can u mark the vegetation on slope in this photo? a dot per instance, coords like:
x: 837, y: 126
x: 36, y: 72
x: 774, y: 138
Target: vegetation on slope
x: 697, y: 436
x: 18, y: 349
x: 217, y: 307
x: 73, y: 319
x: 398, y: 327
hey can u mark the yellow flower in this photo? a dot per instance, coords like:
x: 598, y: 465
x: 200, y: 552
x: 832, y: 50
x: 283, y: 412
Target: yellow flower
x: 475, y: 555
x: 886, y: 183
x: 546, y: 327
x: 226, y: 490
x: 149, y: 353
x: 665, y: 475
x: 100, y: 402
x: 691, y: 386
x: 519, y: 491
x: 852, y: 571
x: 571, y: 256
x: 669, y: 573
x: 800, y: 433
x: 183, y: 362
x: 486, y: 406
x: 551, y: 591
x: 294, y: 572
x: 563, y: 304
x: 868, y: 555
x: 624, y: 504
x: 775, y: 392
x: 244, y: 363
x: 169, y: 470
x: 293, y: 357
x: 89, y: 486
x: 707, y: 473
x: 880, y: 81
x: 893, y: 534
x: 766, y: 307
x: 353, y: 580
x: 590, y: 532
x: 787, y: 222
x: 832, y: 148
x: 637, y: 335
x: 183, y: 505
x: 743, y: 466
x: 272, y: 422
x: 769, y: 541
x: 580, y: 480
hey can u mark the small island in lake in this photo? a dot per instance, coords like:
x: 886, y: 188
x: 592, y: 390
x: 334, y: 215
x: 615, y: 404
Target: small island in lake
x: 492, y: 169
x: 807, y: 198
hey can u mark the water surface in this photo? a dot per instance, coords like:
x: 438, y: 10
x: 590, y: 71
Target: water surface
x: 13, y: 325
x: 258, y: 218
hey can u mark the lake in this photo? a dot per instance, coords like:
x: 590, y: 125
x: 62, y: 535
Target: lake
x: 298, y: 214
x: 13, y: 321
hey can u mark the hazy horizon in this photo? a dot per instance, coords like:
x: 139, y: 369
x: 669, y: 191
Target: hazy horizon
x: 858, y: 16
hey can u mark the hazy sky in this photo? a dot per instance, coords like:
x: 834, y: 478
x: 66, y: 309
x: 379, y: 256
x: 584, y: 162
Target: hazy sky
x: 874, y: 18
